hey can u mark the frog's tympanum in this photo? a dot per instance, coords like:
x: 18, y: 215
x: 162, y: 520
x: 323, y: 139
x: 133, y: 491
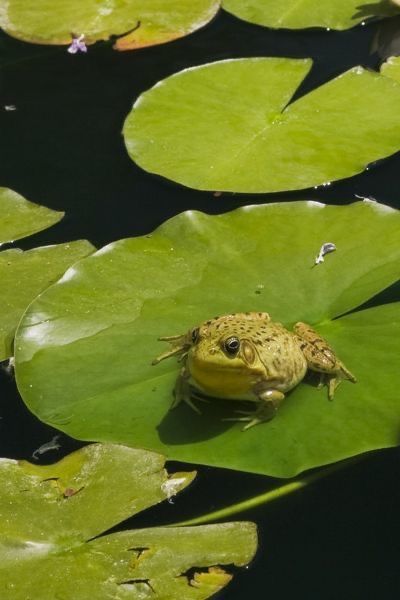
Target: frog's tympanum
x: 246, y: 356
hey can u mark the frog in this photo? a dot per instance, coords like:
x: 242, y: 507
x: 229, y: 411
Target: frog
x: 248, y: 356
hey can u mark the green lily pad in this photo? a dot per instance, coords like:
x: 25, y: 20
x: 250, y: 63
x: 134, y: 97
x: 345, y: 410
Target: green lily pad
x: 154, y: 21
x: 391, y: 68
x: 295, y: 14
x: 227, y: 126
x: 20, y: 218
x: 50, y: 517
x: 23, y: 275
x: 102, y: 320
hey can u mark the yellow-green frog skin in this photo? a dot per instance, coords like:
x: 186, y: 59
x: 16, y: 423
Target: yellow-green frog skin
x: 246, y: 356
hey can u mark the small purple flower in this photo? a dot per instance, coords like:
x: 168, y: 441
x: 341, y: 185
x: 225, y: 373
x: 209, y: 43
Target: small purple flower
x: 78, y: 44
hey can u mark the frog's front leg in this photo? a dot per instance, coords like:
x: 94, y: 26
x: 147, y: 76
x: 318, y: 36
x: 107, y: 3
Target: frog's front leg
x: 321, y: 358
x: 183, y: 391
x: 268, y: 403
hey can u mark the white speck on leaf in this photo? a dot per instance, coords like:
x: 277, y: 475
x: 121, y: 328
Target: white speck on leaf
x: 325, y: 249
x: 171, y: 487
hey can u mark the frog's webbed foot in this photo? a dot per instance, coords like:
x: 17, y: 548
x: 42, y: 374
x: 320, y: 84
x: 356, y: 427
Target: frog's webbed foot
x: 321, y: 358
x: 269, y: 401
x: 180, y: 344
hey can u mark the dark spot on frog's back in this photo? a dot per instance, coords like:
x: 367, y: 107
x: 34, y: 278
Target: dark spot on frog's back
x: 276, y: 363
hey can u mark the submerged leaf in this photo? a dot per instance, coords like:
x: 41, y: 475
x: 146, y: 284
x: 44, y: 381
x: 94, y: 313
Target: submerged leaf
x: 298, y: 14
x: 228, y: 126
x: 101, y: 323
x: 20, y: 218
x: 23, y: 275
x: 139, y: 22
x: 49, y: 516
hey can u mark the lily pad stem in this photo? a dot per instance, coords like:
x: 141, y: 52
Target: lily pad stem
x: 270, y: 496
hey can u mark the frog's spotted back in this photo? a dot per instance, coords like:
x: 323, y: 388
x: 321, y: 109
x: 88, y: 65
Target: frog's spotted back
x: 239, y: 324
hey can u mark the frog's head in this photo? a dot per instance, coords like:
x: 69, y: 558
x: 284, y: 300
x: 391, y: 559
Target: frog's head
x: 224, y: 342
x: 222, y: 356
x: 221, y: 353
x: 228, y: 339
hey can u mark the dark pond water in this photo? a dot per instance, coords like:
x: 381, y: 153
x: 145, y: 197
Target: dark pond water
x: 338, y: 539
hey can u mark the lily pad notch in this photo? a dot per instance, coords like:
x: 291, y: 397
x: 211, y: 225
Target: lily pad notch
x: 183, y: 130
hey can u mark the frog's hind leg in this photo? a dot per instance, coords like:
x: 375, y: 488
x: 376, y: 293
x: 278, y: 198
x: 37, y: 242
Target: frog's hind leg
x: 321, y: 358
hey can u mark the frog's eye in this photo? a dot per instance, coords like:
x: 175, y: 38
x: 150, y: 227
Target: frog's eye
x: 232, y: 345
x: 195, y: 335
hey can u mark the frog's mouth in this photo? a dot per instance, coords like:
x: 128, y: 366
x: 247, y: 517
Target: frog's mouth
x: 221, y: 380
x: 232, y: 365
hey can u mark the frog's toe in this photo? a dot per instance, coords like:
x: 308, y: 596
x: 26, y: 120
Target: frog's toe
x: 346, y: 374
x: 252, y: 417
x: 250, y: 420
x: 333, y: 384
x: 192, y: 405
x: 178, y: 399
x: 253, y: 422
x: 198, y: 397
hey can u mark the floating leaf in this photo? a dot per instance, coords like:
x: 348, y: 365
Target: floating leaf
x: 154, y: 21
x: 102, y: 320
x: 295, y: 14
x: 23, y: 275
x: 50, y: 515
x: 391, y: 68
x: 227, y: 126
x: 20, y: 218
